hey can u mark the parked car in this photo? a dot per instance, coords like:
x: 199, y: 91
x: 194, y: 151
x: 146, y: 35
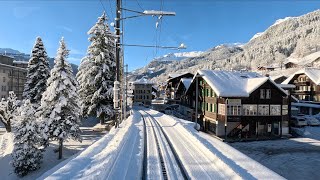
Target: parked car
x: 312, y: 121
x: 298, y: 121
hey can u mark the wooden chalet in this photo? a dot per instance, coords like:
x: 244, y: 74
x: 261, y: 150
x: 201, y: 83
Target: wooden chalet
x: 307, y: 82
x: 239, y: 105
x: 172, y: 84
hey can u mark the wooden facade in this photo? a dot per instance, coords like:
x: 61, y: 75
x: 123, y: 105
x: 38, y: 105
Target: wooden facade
x: 263, y: 114
x: 172, y: 84
x: 306, y: 89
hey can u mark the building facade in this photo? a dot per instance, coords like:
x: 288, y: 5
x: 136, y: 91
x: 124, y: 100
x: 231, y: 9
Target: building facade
x: 172, y: 84
x: 238, y: 105
x: 141, y: 91
x: 12, y: 76
x: 307, y: 82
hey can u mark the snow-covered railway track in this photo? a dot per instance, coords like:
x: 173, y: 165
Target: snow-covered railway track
x: 161, y: 160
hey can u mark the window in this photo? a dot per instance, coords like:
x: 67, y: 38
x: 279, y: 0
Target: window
x: 249, y: 109
x: 234, y: 110
x: 275, y: 110
x: 4, y: 88
x: 263, y: 110
x: 4, y: 79
x: 221, y: 109
x: 207, y: 106
x: 207, y: 92
x: 284, y: 109
x: 210, y: 108
x: 268, y: 93
x: 262, y: 93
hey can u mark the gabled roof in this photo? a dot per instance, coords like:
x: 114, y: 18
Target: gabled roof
x: 173, y: 76
x: 186, y: 83
x: 304, y: 60
x: 312, y: 73
x: 234, y: 83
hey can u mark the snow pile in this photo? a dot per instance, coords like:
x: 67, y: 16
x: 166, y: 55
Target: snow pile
x: 6, y: 144
x: 115, y: 156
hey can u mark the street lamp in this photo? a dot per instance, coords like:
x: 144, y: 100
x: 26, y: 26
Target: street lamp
x: 197, y: 96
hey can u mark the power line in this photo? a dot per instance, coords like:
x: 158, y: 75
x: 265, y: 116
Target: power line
x: 104, y: 8
x: 139, y: 5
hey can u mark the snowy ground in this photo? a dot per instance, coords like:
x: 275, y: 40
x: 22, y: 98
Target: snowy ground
x: 50, y: 158
x: 295, y: 158
x: 119, y: 154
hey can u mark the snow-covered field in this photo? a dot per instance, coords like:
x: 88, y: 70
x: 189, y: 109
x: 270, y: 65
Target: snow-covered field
x: 50, y: 158
x: 295, y: 158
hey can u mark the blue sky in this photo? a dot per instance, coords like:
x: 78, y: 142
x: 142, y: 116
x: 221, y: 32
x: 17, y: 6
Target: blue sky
x: 200, y: 24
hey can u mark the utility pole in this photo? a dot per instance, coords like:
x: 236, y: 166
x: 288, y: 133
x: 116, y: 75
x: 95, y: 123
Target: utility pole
x: 117, y: 83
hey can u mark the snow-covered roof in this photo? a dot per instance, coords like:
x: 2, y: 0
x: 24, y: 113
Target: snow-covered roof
x: 304, y: 60
x: 20, y: 62
x: 312, y: 73
x: 234, y: 83
x: 186, y: 82
x: 172, y: 76
x: 300, y: 104
x: 142, y: 81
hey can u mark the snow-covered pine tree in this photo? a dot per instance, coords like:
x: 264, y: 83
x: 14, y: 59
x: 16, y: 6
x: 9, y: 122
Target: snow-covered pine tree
x: 38, y: 73
x: 101, y: 54
x: 86, y: 85
x: 27, y: 155
x: 7, y: 109
x: 59, y: 111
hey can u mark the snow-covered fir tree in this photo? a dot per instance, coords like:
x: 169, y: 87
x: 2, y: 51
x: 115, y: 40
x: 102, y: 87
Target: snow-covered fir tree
x: 59, y: 111
x: 38, y: 73
x: 27, y: 154
x: 7, y: 109
x: 86, y: 85
x: 100, y: 76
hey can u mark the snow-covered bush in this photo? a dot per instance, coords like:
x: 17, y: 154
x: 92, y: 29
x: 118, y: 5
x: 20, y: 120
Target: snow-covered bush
x: 27, y: 154
x: 7, y: 109
x: 38, y: 73
x: 59, y: 111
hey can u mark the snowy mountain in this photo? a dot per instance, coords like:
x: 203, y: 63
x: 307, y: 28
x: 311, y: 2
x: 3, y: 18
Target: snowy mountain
x: 18, y: 56
x: 178, y: 56
x: 291, y: 37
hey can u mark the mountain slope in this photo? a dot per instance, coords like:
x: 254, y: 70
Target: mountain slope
x: 291, y: 37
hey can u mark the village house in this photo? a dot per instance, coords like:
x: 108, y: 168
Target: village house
x: 307, y: 90
x: 140, y: 91
x: 239, y: 105
x: 172, y: 84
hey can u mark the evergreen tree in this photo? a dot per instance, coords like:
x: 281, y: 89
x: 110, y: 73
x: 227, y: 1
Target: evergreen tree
x: 86, y: 85
x: 96, y: 82
x: 26, y: 155
x: 38, y: 73
x: 7, y: 109
x: 59, y: 111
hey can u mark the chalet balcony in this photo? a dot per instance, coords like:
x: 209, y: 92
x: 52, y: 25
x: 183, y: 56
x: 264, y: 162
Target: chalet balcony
x: 302, y: 83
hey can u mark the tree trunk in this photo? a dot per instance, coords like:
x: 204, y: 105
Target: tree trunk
x: 8, y: 127
x: 60, y: 148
